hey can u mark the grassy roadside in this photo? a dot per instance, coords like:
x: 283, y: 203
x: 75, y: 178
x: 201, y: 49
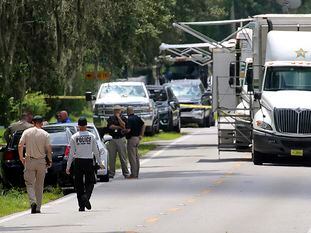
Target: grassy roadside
x: 2, y: 141
x: 16, y: 200
x: 163, y: 136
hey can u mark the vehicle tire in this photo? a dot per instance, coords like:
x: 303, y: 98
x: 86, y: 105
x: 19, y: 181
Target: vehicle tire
x: 104, y: 178
x: 257, y: 158
x: 205, y: 123
x: 208, y: 121
x: 178, y: 126
x: 169, y: 126
x: 150, y: 131
x: 212, y: 119
x: 157, y: 130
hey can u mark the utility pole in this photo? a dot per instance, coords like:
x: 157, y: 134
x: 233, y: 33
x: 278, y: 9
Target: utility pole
x: 232, y: 15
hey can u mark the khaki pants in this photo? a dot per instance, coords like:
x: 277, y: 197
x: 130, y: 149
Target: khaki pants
x: 132, y: 150
x: 34, y: 175
x: 117, y: 146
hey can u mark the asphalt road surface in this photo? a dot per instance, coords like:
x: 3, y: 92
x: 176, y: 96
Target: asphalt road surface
x: 185, y: 187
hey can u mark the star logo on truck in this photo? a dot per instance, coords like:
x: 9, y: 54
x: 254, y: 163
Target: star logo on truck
x: 301, y: 53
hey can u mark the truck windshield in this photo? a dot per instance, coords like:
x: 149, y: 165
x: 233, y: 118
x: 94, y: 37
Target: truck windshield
x: 288, y: 78
x: 186, y: 91
x: 115, y: 91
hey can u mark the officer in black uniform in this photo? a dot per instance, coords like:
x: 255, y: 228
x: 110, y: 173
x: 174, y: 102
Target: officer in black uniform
x: 83, y: 145
x: 135, y: 132
x: 117, y: 129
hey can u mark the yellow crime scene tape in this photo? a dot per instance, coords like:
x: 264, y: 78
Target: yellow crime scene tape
x: 67, y: 97
x: 197, y: 106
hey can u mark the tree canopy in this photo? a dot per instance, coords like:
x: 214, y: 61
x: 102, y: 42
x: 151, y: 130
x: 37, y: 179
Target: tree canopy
x: 47, y: 45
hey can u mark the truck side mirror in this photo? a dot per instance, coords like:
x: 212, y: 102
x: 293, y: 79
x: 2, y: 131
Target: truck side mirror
x: 89, y: 96
x: 232, y: 69
x: 257, y: 95
x: 249, y: 80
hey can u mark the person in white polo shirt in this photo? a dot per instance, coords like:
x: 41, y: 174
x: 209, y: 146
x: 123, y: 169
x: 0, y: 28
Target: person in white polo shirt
x: 83, y: 147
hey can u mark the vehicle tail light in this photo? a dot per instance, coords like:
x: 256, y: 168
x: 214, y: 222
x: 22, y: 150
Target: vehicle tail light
x: 67, y: 151
x: 9, y: 155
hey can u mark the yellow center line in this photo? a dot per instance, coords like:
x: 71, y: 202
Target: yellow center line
x: 191, y: 200
x: 173, y: 209
x: 217, y: 182
x: 206, y: 191
x: 152, y: 220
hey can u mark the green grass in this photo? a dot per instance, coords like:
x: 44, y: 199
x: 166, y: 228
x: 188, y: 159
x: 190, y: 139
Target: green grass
x: 2, y: 141
x: 16, y: 200
x: 162, y: 136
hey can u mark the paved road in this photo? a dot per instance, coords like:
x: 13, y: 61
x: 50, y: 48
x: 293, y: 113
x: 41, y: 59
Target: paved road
x: 184, y: 187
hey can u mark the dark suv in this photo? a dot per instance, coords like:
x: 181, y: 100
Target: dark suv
x: 195, y: 102
x: 13, y: 168
x: 168, y: 107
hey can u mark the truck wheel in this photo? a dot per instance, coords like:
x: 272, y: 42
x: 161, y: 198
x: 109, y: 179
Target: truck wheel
x: 208, y: 121
x: 104, y: 178
x: 212, y: 119
x: 169, y: 126
x: 257, y: 158
x: 178, y: 127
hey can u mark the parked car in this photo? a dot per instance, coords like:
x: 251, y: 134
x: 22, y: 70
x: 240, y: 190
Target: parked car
x: 124, y: 94
x: 195, y: 102
x: 168, y: 107
x: 102, y: 174
x: 13, y: 168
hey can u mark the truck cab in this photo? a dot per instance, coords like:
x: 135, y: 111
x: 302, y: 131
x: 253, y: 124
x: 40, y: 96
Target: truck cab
x: 282, y: 125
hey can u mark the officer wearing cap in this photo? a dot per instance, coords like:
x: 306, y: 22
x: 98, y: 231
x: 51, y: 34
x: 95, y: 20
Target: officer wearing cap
x: 117, y: 129
x: 83, y: 147
x: 38, y: 158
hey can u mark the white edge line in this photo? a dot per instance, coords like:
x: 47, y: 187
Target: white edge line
x: 72, y: 195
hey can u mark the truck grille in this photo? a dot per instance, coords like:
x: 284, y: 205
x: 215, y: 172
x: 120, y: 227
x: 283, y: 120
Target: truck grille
x: 296, y: 121
x: 108, y: 109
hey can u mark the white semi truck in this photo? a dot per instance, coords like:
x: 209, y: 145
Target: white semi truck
x: 282, y: 64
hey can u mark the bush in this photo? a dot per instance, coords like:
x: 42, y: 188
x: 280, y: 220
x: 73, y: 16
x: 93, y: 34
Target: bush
x: 33, y: 102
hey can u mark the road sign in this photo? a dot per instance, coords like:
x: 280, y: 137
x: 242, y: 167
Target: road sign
x: 101, y: 75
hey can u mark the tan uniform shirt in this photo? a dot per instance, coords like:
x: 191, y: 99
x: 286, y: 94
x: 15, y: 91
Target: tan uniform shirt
x: 37, y: 141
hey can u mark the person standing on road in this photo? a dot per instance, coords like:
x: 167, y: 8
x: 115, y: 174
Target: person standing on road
x: 83, y: 147
x: 117, y: 129
x: 135, y: 131
x: 38, y: 158
x: 24, y: 123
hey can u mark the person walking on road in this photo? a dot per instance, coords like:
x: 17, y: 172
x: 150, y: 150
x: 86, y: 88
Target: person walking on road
x: 117, y: 129
x: 135, y: 131
x: 24, y: 123
x: 83, y: 147
x: 38, y: 158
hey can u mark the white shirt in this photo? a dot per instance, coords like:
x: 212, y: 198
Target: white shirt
x: 83, y: 145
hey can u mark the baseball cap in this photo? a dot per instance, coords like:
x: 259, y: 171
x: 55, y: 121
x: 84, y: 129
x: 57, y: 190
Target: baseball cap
x: 82, y: 121
x: 117, y: 107
x: 37, y: 118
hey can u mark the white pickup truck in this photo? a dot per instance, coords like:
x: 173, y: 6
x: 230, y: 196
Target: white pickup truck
x: 125, y: 94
